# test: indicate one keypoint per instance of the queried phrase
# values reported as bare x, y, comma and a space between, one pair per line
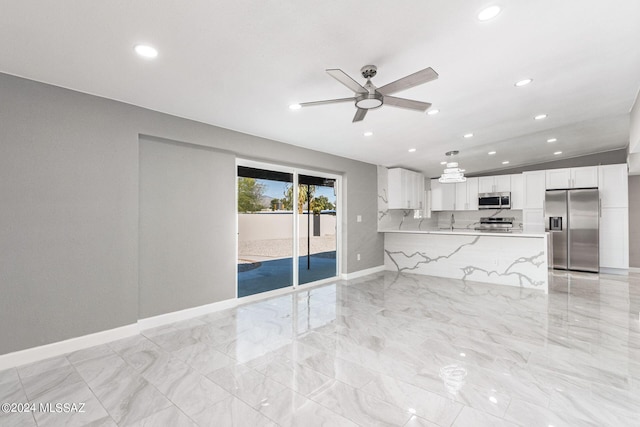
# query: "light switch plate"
359, 218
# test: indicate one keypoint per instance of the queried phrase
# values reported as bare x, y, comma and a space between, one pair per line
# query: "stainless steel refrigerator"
572, 218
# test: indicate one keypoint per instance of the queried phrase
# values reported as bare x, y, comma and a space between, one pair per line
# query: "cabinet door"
418, 190
558, 178
613, 185
502, 183
486, 184
407, 189
614, 238
533, 184
472, 194
437, 196
460, 196
395, 187
517, 192
533, 221
443, 196
586, 177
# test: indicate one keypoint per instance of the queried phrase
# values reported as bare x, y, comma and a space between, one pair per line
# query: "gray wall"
69, 178
185, 232
605, 158
634, 221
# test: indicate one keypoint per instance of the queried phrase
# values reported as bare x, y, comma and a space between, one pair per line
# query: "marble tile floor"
383, 350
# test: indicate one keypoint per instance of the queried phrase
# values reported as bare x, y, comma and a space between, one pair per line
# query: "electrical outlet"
359, 218
358, 256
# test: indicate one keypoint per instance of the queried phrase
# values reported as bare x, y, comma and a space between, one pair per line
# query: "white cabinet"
614, 181
466, 195
406, 189
533, 184
614, 238
443, 196
517, 191
494, 184
533, 201
614, 216
585, 177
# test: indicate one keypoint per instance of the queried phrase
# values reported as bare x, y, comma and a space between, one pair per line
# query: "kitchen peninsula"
513, 259
419, 240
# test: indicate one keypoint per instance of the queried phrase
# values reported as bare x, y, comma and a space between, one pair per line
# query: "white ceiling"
239, 64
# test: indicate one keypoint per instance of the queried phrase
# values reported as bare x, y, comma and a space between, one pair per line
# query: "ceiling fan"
368, 97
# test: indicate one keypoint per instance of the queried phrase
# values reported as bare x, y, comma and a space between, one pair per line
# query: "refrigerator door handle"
600, 208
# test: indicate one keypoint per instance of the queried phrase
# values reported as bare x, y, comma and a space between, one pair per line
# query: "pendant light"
452, 173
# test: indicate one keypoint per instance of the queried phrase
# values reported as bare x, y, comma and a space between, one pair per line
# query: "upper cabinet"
517, 191
494, 184
613, 186
533, 184
466, 195
406, 189
585, 177
443, 196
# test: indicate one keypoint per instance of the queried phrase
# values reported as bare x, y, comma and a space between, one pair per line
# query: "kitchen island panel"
510, 260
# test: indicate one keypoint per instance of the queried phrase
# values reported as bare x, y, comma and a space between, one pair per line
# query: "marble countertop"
463, 231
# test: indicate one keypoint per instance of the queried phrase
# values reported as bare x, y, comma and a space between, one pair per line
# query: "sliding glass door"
287, 227
317, 228
265, 231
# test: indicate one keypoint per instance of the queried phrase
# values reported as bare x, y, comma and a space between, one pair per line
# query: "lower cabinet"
614, 238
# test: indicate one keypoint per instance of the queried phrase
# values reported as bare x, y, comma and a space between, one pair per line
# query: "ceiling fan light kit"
369, 97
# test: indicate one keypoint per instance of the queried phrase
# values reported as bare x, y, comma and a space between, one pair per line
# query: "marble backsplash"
404, 219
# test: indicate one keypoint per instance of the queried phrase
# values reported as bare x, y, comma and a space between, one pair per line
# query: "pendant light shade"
452, 173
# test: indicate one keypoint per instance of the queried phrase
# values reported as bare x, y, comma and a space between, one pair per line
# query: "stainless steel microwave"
494, 200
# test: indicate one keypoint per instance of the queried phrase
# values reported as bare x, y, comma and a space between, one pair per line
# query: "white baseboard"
362, 273
186, 314
634, 270
59, 348
615, 271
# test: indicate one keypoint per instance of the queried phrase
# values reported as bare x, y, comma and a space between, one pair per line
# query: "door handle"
600, 208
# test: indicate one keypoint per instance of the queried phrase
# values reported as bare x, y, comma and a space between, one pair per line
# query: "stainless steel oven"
494, 200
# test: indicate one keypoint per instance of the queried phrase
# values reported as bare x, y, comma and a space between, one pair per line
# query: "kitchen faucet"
453, 221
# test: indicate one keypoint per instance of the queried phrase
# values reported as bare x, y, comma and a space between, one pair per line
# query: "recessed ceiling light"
540, 116
145, 51
491, 153
506, 162
295, 106
433, 112
557, 152
443, 163
492, 399
368, 133
552, 140
412, 150
468, 135
523, 82
489, 13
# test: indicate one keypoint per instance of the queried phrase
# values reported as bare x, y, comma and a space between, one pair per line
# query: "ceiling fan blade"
343, 78
406, 103
415, 79
359, 115
328, 101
